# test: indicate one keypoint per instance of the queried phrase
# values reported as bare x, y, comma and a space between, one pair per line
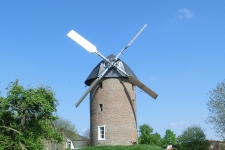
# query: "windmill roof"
112, 73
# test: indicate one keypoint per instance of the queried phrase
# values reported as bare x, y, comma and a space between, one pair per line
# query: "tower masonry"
112, 107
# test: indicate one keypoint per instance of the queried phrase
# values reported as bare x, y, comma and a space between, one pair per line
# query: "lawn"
135, 147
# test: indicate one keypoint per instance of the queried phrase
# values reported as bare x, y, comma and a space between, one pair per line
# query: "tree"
156, 139
68, 128
147, 136
87, 133
193, 138
169, 138
216, 107
87, 136
26, 117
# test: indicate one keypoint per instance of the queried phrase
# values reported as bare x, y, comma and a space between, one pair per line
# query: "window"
100, 85
132, 86
101, 107
101, 132
68, 145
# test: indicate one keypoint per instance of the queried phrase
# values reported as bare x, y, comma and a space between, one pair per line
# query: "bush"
193, 138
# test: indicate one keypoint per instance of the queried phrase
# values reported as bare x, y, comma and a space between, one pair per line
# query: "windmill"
112, 97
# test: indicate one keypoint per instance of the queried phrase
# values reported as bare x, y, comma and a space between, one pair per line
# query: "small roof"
112, 73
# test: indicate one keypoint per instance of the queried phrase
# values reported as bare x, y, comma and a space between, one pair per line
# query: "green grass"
135, 147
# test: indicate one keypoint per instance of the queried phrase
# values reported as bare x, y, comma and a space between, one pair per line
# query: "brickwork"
118, 114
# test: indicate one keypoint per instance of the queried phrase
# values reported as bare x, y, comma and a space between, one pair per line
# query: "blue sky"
180, 54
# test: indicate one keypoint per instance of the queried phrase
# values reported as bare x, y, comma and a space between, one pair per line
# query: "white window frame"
99, 132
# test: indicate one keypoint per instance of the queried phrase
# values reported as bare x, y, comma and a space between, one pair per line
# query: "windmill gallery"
112, 97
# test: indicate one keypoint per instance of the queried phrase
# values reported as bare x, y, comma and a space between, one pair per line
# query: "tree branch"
10, 129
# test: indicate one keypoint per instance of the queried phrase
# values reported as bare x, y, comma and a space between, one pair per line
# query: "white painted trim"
99, 138
69, 141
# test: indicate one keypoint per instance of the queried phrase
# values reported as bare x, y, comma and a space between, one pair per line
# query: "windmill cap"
112, 73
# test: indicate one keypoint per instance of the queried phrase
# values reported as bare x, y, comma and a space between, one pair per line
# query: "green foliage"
169, 138
145, 134
216, 108
147, 137
193, 138
68, 127
134, 147
26, 117
156, 139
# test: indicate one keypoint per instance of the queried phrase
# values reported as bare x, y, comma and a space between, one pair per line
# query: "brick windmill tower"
112, 97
